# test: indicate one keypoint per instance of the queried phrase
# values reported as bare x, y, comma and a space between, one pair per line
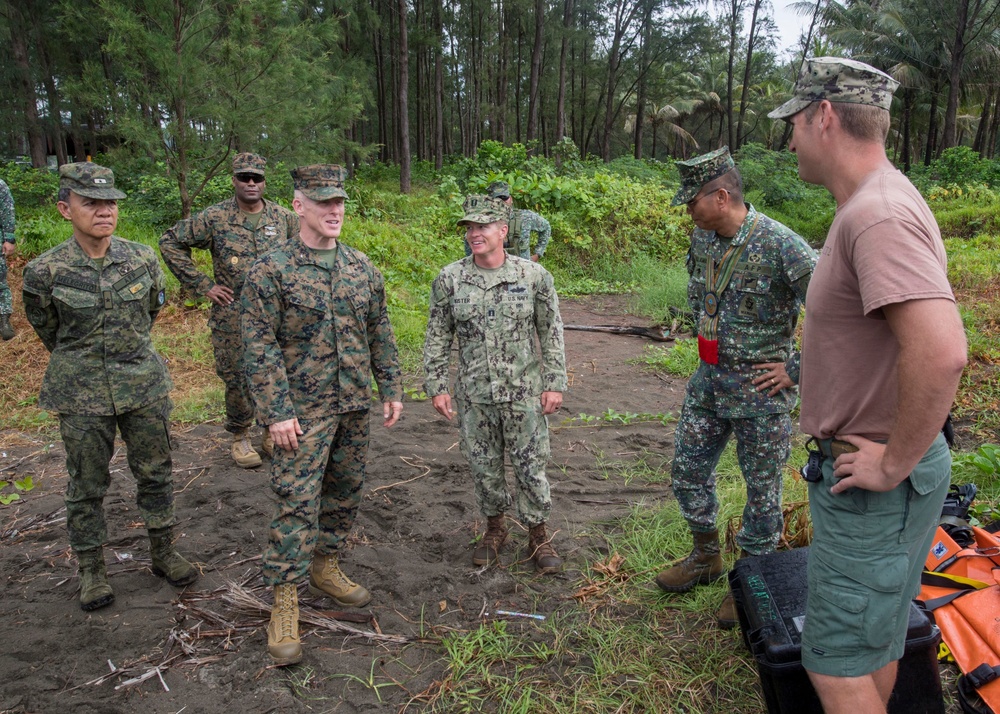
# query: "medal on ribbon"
717, 277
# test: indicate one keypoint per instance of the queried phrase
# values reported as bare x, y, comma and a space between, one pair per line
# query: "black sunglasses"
248, 178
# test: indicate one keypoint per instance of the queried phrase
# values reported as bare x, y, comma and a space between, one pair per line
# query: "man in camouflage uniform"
92, 300
237, 232
749, 276
315, 329
6, 249
496, 304
522, 224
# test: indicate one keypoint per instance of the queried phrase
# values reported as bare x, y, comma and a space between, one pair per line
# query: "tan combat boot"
700, 567
267, 443
545, 556
326, 578
167, 562
283, 642
488, 549
243, 452
95, 591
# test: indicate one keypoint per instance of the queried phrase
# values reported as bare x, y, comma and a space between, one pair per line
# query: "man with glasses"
237, 232
748, 282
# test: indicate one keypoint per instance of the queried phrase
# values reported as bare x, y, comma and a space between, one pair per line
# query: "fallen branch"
658, 334
246, 601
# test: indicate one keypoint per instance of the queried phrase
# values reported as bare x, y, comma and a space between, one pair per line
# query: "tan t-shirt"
883, 248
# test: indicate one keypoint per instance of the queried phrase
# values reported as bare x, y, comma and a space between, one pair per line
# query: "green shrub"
30, 188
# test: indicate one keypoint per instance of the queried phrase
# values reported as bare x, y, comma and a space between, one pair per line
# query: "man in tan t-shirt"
882, 353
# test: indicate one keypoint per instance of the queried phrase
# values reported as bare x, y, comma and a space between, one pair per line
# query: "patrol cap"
498, 189
89, 179
484, 209
698, 171
320, 182
247, 163
837, 79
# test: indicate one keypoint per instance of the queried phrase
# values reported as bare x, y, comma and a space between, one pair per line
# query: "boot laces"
285, 606
334, 573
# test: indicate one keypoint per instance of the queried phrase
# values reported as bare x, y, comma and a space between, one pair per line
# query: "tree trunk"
747, 69
955, 73
381, 97
404, 107
979, 144
932, 127
733, 19
561, 100
907, 128
536, 71
26, 84
438, 88
640, 104
991, 139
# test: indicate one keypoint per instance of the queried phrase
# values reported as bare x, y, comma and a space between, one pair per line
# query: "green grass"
680, 359
629, 648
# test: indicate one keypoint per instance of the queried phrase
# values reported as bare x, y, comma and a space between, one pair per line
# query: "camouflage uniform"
235, 244
522, 223
313, 338
757, 317
520, 226
6, 236
496, 315
103, 372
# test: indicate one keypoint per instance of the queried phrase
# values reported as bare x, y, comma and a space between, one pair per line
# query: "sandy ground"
204, 649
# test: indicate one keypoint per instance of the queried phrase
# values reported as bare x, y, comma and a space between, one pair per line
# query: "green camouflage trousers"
90, 442
228, 347
762, 448
318, 489
6, 300
486, 431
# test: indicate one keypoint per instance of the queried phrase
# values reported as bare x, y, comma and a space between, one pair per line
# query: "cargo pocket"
861, 595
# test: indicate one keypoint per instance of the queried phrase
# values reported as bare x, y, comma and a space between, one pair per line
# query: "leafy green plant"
22, 485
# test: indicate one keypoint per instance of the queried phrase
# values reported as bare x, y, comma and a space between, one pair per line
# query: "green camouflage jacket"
312, 338
522, 223
496, 316
758, 313
96, 324
6, 214
235, 245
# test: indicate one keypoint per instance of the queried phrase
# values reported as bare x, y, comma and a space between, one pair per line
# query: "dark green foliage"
774, 174
30, 187
960, 166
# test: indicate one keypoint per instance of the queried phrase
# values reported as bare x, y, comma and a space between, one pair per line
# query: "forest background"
582, 105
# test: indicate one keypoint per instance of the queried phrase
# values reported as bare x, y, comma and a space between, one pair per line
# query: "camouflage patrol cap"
320, 182
838, 80
247, 163
498, 189
89, 179
698, 171
484, 209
